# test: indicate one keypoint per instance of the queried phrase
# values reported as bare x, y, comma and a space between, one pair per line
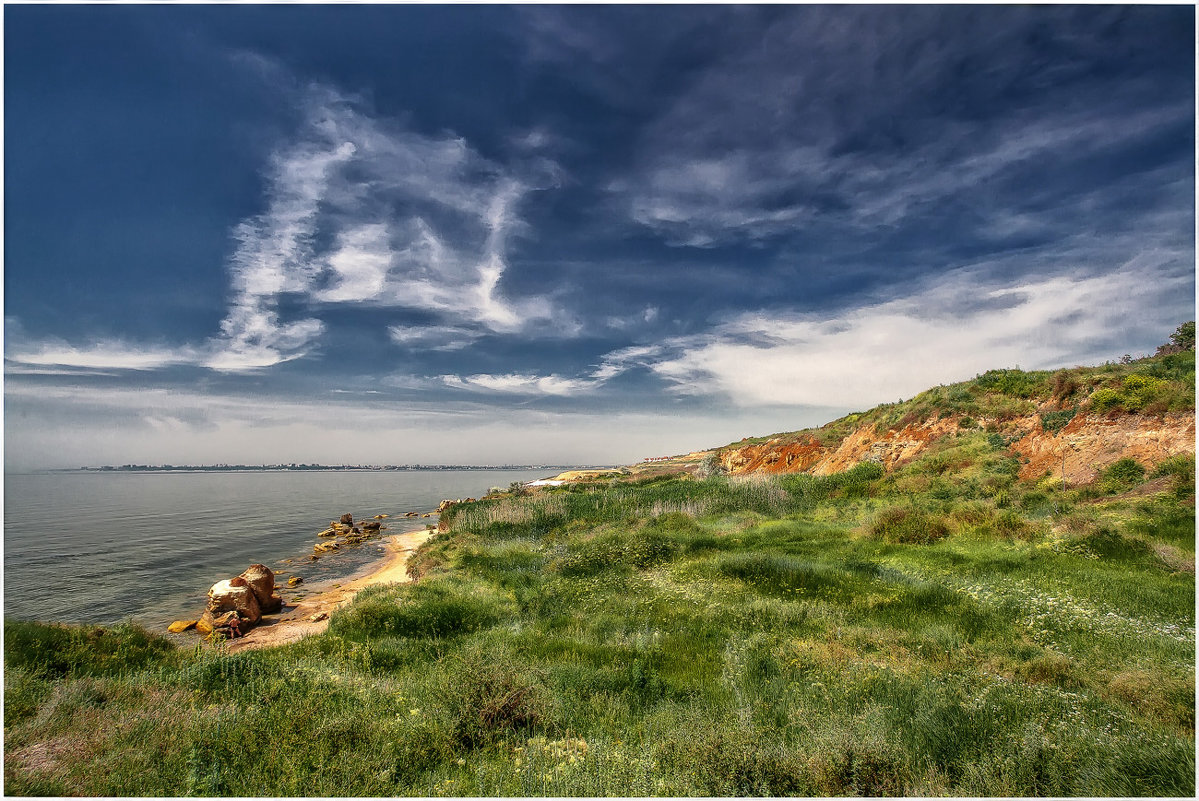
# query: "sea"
112, 546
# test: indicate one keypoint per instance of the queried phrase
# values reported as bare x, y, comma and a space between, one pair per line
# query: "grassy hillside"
945, 628
1077, 421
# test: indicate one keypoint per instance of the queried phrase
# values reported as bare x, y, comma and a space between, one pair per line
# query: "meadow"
943, 629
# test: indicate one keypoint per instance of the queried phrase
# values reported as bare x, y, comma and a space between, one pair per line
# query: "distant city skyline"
476, 234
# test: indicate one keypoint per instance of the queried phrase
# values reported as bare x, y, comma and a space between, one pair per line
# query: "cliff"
1086, 445
1077, 421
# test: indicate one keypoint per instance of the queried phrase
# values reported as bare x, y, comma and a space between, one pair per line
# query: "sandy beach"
295, 621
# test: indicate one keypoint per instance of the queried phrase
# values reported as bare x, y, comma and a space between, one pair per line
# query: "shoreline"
295, 621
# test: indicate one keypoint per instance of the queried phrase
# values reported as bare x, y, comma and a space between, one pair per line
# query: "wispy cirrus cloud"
362, 211
359, 211
879, 117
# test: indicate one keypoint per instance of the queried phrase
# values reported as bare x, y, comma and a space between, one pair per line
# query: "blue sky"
489, 234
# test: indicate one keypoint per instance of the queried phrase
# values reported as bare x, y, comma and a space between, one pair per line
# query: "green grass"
942, 630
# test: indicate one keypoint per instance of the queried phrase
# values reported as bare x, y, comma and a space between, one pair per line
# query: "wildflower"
461, 761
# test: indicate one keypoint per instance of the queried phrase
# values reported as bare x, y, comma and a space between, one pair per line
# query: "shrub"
1065, 384
1009, 523
1121, 475
731, 759
779, 573
1105, 399
710, 467
1182, 339
909, 526
1106, 541
1056, 421
1141, 390
636, 550
1182, 468
487, 694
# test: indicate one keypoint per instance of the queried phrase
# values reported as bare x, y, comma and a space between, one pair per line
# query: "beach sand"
295, 621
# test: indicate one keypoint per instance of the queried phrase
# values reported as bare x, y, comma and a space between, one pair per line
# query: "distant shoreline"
295, 468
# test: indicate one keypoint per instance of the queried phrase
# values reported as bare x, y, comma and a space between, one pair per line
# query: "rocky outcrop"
250, 596
1090, 443
262, 582
225, 598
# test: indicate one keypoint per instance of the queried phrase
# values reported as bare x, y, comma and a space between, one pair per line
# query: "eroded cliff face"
1089, 443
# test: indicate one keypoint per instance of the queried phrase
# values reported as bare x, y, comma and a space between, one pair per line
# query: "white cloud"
948, 332
433, 337
46, 357
518, 384
359, 210
359, 262
625, 359
414, 221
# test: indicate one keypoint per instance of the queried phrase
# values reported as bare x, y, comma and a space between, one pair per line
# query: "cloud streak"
949, 331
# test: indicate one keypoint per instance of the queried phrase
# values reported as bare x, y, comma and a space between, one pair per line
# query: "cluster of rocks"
253, 593
447, 504
250, 596
349, 532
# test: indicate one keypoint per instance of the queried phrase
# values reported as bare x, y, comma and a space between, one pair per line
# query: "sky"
395, 234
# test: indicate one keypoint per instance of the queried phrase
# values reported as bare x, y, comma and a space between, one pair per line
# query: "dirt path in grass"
296, 622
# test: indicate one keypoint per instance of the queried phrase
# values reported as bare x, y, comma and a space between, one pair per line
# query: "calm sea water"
90, 547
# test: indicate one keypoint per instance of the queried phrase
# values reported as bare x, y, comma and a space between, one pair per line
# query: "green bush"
778, 573
1105, 399
1065, 384
909, 526
1056, 421
1141, 390
1121, 475
487, 694
1106, 541
1182, 468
